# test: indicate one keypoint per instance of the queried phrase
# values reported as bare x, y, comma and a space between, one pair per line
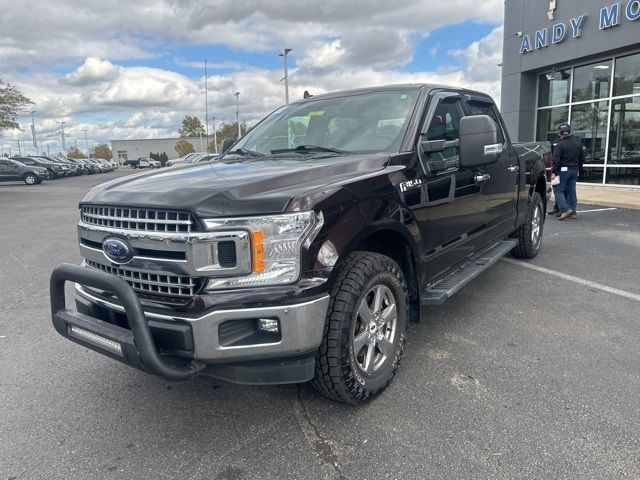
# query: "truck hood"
233, 188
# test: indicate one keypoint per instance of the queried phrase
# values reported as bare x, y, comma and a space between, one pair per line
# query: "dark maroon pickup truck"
304, 250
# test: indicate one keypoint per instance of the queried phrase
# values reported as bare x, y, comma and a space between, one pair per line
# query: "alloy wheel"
374, 333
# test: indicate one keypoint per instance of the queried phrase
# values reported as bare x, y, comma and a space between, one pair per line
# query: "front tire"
365, 329
30, 179
529, 234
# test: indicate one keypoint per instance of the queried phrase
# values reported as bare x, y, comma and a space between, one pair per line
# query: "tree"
74, 152
227, 130
164, 158
184, 147
103, 151
191, 127
12, 102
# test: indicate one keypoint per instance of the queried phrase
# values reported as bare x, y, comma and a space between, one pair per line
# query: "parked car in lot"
67, 169
188, 158
284, 264
100, 164
55, 170
144, 162
13, 170
206, 158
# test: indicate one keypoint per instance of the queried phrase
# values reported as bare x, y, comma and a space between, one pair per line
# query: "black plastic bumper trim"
138, 348
276, 371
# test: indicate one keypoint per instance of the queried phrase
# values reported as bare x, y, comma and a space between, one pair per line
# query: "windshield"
373, 122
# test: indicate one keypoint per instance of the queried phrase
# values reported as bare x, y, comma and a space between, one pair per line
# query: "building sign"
610, 16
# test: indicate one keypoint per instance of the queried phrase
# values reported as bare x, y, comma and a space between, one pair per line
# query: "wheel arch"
391, 230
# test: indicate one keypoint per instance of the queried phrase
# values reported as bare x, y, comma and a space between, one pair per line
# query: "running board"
438, 292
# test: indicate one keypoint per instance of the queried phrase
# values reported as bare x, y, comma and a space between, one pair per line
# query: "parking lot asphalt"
526, 373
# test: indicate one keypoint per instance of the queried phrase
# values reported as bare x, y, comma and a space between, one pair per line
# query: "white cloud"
337, 45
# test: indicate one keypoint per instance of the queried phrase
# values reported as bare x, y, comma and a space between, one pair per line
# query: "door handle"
514, 169
482, 178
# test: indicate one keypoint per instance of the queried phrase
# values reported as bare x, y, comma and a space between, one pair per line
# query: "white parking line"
578, 280
598, 210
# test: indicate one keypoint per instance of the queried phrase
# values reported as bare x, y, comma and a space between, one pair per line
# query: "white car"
144, 162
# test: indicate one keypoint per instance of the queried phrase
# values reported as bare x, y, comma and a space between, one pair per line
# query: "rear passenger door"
8, 170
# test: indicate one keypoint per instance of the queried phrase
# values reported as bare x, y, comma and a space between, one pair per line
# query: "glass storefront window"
589, 122
591, 175
549, 121
627, 76
624, 143
624, 176
554, 91
592, 82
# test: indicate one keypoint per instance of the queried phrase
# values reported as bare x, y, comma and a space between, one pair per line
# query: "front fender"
346, 230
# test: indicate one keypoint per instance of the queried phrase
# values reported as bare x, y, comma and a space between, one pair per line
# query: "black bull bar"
133, 347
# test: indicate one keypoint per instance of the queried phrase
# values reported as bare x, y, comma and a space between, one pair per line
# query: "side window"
4, 163
478, 108
445, 125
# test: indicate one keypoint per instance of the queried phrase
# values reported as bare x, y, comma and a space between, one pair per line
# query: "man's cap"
565, 129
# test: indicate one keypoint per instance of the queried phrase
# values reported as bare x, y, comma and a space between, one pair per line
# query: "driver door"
454, 214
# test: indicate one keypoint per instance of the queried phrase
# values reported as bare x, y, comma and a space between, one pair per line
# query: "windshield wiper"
245, 152
309, 149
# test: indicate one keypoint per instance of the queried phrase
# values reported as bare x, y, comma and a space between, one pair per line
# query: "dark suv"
55, 170
12, 170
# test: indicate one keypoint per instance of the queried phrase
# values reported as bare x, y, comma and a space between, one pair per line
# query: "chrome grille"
145, 219
152, 283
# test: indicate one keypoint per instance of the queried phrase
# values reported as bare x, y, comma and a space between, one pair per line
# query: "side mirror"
478, 141
226, 145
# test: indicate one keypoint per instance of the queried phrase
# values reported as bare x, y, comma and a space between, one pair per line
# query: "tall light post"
284, 54
33, 132
64, 146
215, 135
86, 140
237, 94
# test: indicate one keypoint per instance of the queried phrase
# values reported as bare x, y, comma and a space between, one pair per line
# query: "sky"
122, 69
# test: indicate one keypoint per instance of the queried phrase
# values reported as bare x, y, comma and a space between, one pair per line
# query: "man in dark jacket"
568, 157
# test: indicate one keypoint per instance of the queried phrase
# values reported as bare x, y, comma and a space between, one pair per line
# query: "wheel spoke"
364, 311
368, 361
378, 296
389, 314
385, 346
359, 342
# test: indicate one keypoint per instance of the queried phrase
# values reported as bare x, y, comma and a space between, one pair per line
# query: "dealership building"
124, 150
576, 61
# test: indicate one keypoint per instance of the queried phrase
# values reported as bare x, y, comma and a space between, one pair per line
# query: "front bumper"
220, 343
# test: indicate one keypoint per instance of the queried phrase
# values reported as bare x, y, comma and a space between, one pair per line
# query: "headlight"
275, 247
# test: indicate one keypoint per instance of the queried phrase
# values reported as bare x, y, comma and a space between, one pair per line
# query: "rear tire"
30, 179
365, 329
529, 234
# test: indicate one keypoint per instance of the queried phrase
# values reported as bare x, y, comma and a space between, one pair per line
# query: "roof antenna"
307, 94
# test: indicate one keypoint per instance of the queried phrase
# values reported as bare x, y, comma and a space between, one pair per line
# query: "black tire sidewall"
536, 202
378, 380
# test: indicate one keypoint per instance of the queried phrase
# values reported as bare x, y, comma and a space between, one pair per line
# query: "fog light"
268, 325
97, 340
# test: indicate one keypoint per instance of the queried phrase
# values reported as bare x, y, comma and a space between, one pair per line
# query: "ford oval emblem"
117, 250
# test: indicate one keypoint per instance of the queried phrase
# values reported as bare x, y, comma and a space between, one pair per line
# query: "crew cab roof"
409, 87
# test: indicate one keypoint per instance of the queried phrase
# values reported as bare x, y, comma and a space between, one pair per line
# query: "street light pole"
284, 54
86, 140
237, 94
19, 148
64, 146
33, 132
215, 135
